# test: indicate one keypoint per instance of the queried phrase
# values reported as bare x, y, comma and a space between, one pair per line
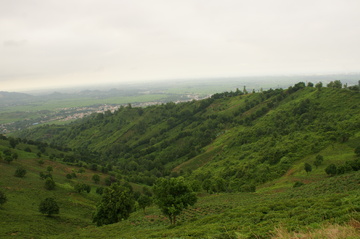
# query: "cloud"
67, 40
14, 43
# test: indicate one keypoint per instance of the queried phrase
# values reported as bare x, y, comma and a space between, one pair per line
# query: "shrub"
49, 206
3, 198
20, 172
49, 184
331, 170
298, 184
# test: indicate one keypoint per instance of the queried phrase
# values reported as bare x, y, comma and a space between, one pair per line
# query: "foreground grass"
19, 217
295, 213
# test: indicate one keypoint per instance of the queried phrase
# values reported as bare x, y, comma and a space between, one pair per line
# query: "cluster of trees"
333, 169
171, 195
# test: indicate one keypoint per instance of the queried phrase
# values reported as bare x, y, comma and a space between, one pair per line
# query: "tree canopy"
173, 196
49, 206
116, 204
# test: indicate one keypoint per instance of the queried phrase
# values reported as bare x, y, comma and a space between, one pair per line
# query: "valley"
266, 163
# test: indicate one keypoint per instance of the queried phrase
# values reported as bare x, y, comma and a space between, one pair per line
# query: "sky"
52, 43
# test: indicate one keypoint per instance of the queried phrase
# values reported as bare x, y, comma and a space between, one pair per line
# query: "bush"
331, 170
8, 159
45, 176
80, 187
20, 172
49, 184
3, 198
49, 206
298, 184
100, 190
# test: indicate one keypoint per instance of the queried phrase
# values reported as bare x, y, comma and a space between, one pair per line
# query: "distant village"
63, 115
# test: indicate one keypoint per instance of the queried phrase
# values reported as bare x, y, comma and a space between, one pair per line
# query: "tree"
318, 160
3, 198
307, 167
331, 170
357, 151
20, 172
116, 204
8, 159
49, 169
319, 85
49, 207
96, 178
49, 184
207, 185
79, 187
144, 201
13, 142
172, 196
15, 156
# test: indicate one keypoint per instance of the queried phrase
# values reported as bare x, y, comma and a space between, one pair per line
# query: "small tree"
13, 142
8, 159
318, 86
172, 196
331, 170
3, 198
144, 201
15, 156
49, 169
318, 160
96, 178
207, 185
49, 207
307, 167
116, 204
20, 172
49, 184
80, 187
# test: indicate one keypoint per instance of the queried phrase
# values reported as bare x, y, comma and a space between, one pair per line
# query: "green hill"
244, 139
244, 153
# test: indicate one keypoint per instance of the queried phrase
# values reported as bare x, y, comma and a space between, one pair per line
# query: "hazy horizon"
61, 44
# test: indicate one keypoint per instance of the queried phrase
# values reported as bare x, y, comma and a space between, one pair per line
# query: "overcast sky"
53, 43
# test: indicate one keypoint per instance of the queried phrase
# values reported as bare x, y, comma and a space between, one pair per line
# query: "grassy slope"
20, 217
276, 203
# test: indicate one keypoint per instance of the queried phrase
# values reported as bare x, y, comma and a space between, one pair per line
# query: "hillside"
324, 206
241, 138
264, 165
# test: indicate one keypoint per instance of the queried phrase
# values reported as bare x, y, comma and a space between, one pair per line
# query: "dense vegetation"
237, 140
278, 158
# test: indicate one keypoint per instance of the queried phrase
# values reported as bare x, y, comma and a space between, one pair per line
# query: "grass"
20, 217
323, 205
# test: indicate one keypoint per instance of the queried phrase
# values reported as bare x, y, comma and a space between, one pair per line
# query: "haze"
48, 43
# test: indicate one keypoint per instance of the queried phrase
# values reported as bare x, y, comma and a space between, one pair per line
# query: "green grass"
20, 217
